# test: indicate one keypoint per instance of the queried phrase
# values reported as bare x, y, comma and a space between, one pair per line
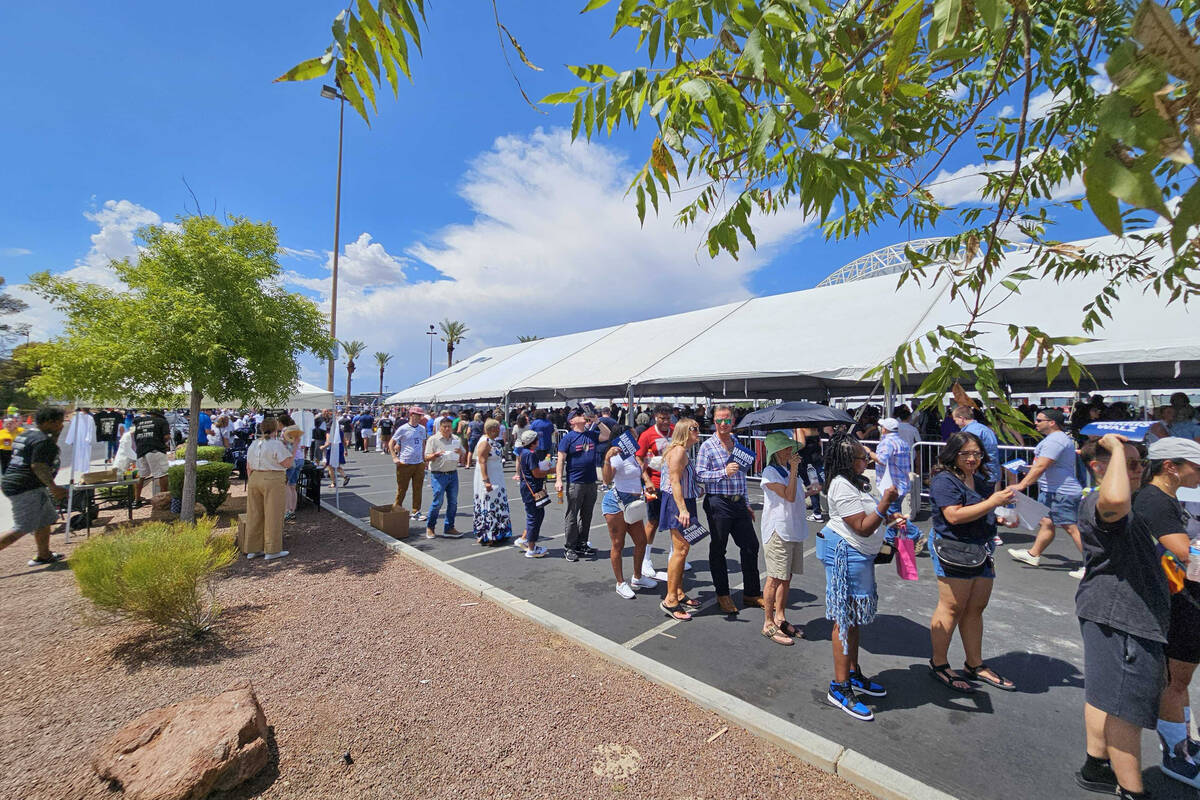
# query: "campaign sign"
626, 444
694, 532
1135, 431
1015, 466
743, 456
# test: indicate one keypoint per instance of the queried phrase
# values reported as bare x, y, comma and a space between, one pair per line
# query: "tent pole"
630, 417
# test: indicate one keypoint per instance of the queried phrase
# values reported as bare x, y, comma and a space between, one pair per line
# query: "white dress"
492, 523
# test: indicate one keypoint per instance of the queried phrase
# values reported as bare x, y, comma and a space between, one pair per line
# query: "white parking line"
662, 627
487, 551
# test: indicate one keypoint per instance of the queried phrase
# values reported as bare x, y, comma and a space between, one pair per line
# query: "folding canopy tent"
818, 342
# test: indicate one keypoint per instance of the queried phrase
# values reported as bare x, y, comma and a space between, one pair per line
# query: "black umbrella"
794, 414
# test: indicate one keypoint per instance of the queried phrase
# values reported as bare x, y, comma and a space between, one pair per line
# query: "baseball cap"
889, 424
527, 438
1175, 448
415, 410
575, 412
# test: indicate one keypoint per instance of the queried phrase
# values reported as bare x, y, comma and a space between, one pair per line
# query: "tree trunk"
449, 355
187, 512
381, 383
349, 373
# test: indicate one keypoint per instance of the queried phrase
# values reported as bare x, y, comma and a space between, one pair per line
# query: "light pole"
431, 333
332, 93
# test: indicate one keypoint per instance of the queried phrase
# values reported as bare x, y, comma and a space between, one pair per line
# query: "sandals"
676, 612
777, 636
690, 603
41, 562
941, 674
1000, 682
788, 629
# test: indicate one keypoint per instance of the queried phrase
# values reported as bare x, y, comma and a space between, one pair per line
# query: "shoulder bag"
540, 499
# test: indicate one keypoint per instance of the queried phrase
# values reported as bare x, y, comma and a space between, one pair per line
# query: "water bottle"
813, 478
1193, 569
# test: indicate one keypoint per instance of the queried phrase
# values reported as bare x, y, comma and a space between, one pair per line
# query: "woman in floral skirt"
492, 523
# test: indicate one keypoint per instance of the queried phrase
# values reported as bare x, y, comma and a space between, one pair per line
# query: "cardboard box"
391, 520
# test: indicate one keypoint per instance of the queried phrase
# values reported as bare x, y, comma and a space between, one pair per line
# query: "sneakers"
536, 552
643, 583
289, 516
429, 534
1077, 574
862, 683
647, 566
687, 566
273, 556
452, 533
570, 555
625, 590
1176, 764
418, 516
842, 695
54, 558
661, 575
254, 555
1102, 780
588, 550
996, 540
1025, 557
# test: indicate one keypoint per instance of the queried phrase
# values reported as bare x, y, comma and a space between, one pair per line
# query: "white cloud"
13, 252
964, 186
555, 247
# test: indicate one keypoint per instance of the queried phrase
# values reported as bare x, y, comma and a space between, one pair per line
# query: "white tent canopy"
820, 341
303, 396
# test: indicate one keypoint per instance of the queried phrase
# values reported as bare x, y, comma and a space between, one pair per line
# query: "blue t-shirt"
526, 463
202, 426
947, 489
579, 450
991, 446
545, 432
1059, 477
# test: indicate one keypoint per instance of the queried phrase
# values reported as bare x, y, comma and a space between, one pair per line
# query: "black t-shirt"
318, 431
106, 425
347, 425
30, 447
150, 434
385, 427
1123, 584
1164, 515
947, 489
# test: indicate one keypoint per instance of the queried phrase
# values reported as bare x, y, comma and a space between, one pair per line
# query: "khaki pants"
265, 499
406, 473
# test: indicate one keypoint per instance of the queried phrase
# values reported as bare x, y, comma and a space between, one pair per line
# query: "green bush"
204, 452
212, 483
161, 573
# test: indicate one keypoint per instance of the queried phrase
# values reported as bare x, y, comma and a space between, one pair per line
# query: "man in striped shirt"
728, 510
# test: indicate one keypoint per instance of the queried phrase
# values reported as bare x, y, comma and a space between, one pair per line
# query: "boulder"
186, 750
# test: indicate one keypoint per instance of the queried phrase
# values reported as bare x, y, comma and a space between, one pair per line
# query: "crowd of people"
651, 472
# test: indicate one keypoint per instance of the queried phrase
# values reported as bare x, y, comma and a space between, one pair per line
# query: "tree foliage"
847, 111
453, 332
382, 360
202, 305
353, 349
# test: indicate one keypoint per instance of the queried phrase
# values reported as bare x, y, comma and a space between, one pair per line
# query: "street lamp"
431, 333
332, 93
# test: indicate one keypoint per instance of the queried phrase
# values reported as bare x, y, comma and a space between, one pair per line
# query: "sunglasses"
722, 422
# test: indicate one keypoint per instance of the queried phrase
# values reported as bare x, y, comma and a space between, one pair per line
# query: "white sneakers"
1025, 557
644, 582
1077, 574
647, 566
625, 590
535, 552
273, 556
253, 555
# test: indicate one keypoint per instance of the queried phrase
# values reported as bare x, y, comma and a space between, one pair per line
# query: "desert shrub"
212, 484
204, 452
162, 573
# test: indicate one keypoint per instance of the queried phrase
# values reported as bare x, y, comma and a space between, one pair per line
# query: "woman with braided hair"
847, 546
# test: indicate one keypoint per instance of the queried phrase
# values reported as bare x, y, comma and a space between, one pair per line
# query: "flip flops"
777, 636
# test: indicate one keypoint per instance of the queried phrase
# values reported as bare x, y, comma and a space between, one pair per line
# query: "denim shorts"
634, 506
988, 570
1064, 508
293, 473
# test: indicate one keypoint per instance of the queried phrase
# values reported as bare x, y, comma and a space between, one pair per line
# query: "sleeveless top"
690, 484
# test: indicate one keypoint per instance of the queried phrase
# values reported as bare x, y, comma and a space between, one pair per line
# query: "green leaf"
696, 89
1074, 369
593, 5
364, 46
1186, 217
945, 22
1070, 340
306, 70
1096, 180
753, 53
763, 133
903, 41
775, 15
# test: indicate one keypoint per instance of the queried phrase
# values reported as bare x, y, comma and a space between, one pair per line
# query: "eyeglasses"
722, 422
861, 458
970, 454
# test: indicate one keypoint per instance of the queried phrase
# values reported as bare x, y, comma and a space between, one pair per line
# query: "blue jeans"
445, 486
533, 522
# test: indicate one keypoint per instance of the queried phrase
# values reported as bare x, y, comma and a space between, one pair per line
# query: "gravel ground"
434, 694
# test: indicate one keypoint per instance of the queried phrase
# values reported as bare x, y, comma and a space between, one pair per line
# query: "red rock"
186, 750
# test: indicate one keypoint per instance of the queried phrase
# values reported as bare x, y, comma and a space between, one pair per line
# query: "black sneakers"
571, 555
588, 551
1097, 776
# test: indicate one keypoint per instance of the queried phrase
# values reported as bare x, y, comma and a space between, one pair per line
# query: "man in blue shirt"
1054, 472
577, 463
965, 419
544, 428
203, 426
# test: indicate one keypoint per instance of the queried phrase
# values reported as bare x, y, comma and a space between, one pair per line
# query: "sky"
459, 201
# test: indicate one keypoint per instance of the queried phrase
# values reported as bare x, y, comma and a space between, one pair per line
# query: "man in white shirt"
442, 453
408, 453
910, 503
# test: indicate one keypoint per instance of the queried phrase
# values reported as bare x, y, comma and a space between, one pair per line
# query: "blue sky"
460, 201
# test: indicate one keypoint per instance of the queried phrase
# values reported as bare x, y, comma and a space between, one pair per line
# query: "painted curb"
850, 765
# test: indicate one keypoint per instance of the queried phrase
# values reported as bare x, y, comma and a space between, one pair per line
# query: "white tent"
821, 341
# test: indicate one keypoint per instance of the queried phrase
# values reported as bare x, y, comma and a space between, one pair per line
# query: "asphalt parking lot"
993, 744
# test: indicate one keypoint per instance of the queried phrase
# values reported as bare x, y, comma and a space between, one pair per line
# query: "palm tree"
453, 332
354, 348
382, 360
528, 338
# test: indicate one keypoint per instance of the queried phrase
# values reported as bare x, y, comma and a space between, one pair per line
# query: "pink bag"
906, 558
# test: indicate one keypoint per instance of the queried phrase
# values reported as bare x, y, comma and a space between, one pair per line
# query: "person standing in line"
292, 437
385, 428
624, 510
204, 425
442, 452
1053, 471
267, 462
531, 477
8, 436
784, 530
964, 502
107, 422
1124, 608
408, 453
475, 433
320, 433
847, 546
679, 488
152, 442
577, 465
727, 506
652, 443
492, 523
366, 428
1175, 464
29, 484
893, 460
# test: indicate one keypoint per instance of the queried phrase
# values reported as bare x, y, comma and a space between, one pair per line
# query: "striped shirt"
896, 456
711, 469
691, 487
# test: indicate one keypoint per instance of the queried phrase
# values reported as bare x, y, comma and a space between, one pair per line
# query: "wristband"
881, 516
